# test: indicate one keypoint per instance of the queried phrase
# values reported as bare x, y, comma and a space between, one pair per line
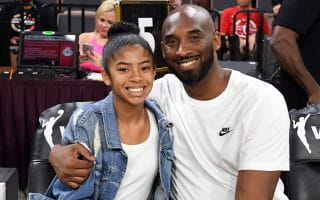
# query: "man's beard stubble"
192, 77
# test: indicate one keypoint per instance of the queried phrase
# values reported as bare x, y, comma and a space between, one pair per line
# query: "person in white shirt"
231, 131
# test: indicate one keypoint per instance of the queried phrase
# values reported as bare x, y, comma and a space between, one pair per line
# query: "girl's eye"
146, 68
123, 69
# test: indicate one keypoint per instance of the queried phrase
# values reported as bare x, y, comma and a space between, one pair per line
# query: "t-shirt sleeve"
266, 144
298, 15
155, 93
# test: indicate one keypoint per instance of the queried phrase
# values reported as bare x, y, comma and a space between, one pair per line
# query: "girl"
91, 43
127, 133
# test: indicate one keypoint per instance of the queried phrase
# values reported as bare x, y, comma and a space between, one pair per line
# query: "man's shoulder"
253, 86
167, 80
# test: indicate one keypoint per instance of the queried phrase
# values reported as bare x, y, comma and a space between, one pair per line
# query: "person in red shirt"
241, 23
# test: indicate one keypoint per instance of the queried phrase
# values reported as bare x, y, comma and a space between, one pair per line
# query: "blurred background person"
34, 20
174, 4
91, 43
241, 23
296, 44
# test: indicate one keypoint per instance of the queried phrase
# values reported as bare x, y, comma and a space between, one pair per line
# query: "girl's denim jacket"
96, 126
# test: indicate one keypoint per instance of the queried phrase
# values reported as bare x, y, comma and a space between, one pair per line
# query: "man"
230, 133
295, 44
227, 21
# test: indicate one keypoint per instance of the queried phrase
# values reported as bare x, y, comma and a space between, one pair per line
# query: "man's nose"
184, 49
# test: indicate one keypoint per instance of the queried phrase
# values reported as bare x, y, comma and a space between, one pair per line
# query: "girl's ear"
106, 78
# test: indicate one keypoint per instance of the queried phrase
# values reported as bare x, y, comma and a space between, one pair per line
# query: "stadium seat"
84, 2
76, 21
52, 124
303, 179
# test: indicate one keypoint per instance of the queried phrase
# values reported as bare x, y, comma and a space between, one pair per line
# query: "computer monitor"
48, 50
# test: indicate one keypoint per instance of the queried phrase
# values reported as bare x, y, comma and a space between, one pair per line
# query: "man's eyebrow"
195, 31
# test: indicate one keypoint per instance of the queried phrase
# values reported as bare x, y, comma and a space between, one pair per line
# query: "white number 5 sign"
146, 22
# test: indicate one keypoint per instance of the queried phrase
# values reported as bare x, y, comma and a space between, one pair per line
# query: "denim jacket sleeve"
78, 130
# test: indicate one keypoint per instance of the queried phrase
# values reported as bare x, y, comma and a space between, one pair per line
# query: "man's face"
188, 45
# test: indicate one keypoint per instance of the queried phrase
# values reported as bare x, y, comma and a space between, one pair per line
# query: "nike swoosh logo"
222, 133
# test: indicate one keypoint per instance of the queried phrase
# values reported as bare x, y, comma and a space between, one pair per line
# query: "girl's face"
104, 21
131, 75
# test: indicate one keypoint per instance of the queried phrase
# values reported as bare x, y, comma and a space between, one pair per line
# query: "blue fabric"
111, 161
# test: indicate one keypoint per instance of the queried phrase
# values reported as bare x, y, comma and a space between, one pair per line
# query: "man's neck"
246, 7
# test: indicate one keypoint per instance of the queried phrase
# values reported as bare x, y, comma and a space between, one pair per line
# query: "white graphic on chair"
301, 132
49, 127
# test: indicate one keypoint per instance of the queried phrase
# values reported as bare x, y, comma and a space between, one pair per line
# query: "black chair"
52, 124
303, 179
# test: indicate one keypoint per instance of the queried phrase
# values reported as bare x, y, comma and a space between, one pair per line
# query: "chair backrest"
51, 129
84, 2
76, 21
304, 174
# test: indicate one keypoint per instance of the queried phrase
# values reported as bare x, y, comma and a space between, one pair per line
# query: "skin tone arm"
71, 170
252, 185
285, 48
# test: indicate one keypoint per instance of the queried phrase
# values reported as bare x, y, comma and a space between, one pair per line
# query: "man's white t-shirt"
244, 128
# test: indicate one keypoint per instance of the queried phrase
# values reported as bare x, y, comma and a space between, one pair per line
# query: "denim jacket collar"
111, 125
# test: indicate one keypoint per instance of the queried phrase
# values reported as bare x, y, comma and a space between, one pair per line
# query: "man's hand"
314, 98
69, 168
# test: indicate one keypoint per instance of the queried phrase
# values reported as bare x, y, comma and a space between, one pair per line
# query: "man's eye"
195, 38
171, 43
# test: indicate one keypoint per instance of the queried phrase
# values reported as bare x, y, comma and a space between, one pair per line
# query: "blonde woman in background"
91, 43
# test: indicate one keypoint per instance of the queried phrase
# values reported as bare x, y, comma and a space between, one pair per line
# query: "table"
22, 101
8, 184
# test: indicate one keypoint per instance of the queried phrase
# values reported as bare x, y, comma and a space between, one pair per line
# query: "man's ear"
106, 78
216, 41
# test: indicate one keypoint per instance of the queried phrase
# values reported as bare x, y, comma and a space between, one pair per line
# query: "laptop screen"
43, 50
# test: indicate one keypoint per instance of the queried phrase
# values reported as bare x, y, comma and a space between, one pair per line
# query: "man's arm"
69, 168
285, 48
252, 185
